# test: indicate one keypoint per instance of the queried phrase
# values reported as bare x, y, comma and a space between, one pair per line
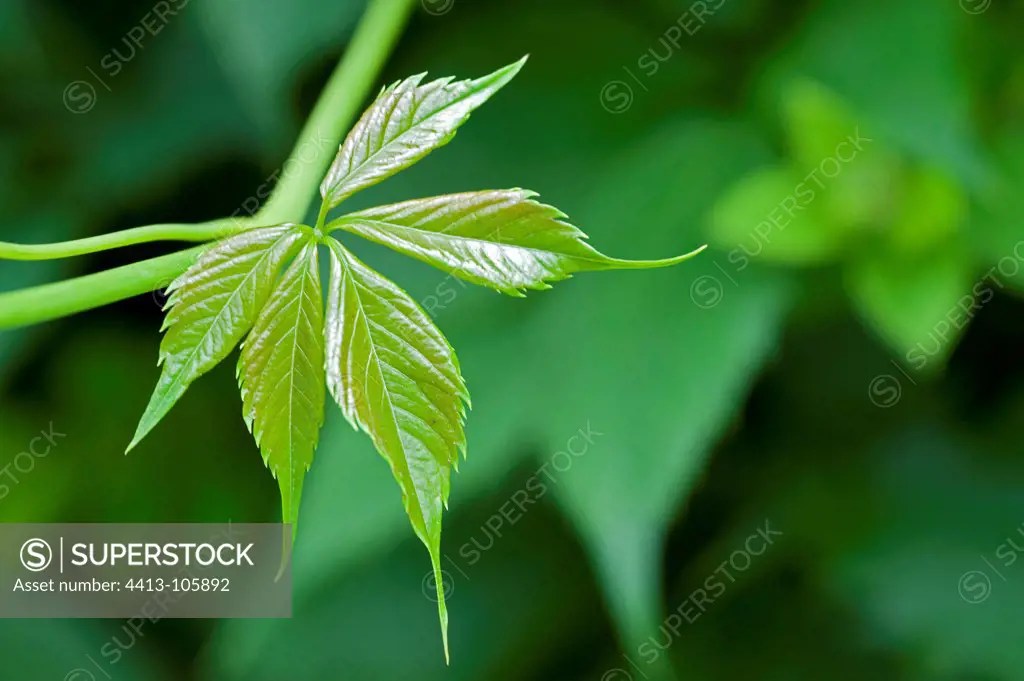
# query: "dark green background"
776, 400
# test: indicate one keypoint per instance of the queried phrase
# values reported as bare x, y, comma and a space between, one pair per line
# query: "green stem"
205, 231
52, 301
374, 39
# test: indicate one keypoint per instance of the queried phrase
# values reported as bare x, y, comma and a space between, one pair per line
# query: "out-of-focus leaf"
867, 191
281, 376
395, 376
842, 162
906, 80
771, 215
212, 305
932, 209
918, 306
816, 120
649, 385
501, 239
404, 124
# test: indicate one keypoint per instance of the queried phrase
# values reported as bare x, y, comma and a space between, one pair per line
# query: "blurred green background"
795, 457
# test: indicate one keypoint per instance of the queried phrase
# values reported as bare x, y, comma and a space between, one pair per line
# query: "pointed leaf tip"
501, 239
407, 121
442, 608
286, 548
654, 264
396, 377
517, 66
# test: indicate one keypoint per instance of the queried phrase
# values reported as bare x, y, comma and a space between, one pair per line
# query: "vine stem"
371, 45
205, 231
62, 298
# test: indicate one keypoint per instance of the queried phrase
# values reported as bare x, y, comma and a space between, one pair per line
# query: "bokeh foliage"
714, 397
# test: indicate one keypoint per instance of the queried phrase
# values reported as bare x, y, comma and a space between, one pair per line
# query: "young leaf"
395, 376
212, 305
749, 216
405, 123
501, 239
914, 304
281, 377
817, 120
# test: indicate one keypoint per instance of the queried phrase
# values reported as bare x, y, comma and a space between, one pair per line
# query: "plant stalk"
375, 37
205, 231
62, 298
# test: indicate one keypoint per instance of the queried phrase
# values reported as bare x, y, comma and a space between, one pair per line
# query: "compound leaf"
281, 377
501, 239
395, 376
405, 123
211, 306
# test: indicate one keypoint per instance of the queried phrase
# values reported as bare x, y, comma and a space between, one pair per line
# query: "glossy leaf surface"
404, 124
396, 377
281, 377
212, 305
501, 239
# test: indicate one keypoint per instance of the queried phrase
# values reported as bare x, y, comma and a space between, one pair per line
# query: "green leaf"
577, 146
621, 467
918, 306
357, 486
501, 239
867, 191
212, 305
932, 209
404, 124
817, 120
770, 215
838, 155
902, 81
396, 377
281, 376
